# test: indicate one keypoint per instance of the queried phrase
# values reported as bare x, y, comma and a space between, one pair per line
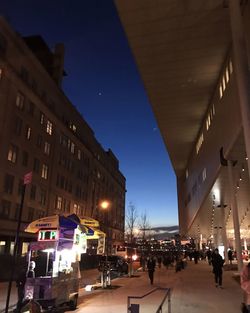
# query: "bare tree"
144, 225
131, 221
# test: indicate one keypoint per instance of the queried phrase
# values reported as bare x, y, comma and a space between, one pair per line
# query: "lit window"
199, 143
221, 91
44, 171
1, 73
213, 109
227, 74
58, 203
79, 154
186, 173
41, 118
49, 127
73, 127
20, 101
47, 148
230, 67
12, 154
204, 174
28, 132
223, 83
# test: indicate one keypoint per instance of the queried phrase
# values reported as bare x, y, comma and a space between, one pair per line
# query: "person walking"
230, 256
151, 269
217, 263
245, 285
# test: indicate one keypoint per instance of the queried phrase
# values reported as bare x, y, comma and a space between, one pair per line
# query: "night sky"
104, 85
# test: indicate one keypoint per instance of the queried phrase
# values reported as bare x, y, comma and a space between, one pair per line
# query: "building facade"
194, 60
43, 133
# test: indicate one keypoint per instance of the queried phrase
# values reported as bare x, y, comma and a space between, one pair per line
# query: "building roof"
179, 48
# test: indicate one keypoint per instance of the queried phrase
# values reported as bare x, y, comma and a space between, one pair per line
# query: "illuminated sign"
47, 235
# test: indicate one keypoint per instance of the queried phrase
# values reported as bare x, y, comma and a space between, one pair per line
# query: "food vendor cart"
53, 260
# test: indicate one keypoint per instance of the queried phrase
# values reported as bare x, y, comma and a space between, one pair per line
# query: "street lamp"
105, 268
105, 205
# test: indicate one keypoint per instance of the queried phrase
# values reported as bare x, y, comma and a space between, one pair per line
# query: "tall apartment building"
194, 60
42, 132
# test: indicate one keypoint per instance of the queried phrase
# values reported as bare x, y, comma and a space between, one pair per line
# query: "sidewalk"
193, 291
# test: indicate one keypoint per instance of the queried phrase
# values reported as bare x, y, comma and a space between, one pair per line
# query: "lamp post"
105, 276
104, 205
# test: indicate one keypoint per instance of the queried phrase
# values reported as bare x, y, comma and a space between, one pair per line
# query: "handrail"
159, 310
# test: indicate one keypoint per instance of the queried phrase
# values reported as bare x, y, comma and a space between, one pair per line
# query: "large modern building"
194, 59
42, 132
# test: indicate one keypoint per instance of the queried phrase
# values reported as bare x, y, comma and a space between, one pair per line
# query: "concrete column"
200, 241
223, 231
235, 217
240, 64
245, 243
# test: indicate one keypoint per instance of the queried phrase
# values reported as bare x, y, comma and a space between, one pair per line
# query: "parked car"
117, 264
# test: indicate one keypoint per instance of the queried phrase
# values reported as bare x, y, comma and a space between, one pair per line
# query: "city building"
41, 132
194, 60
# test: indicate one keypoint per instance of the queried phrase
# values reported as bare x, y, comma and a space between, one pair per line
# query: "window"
20, 187
24, 74
72, 126
72, 148
199, 143
49, 127
79, 154
17, 210
5, 209
44, 171
33, 192
47, 148
36, 165
20, 101
28, 132
41, 118
39, 141
58, 203
43, 197
8, 183
1, 73
31, 214
18, 126
25, 158
31, 108
204, 174
12, 154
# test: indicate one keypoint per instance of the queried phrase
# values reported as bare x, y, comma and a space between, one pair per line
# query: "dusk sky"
104, 85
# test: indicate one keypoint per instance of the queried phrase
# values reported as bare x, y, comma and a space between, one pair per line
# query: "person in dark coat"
151, 269
230, 256
217, 263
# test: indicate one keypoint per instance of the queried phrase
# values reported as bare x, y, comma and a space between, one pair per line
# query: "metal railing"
134, 308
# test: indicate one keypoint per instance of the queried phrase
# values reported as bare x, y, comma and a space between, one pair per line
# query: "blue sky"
104, 85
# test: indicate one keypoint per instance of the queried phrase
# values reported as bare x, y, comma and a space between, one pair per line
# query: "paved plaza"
193, 291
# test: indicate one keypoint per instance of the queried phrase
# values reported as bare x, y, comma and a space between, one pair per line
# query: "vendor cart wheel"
73, 302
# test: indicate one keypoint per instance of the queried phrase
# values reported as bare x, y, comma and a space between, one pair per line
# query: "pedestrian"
151, 269
159, 260
230, 255
196, 256
31, 272
245, 285
209, 256
217, 263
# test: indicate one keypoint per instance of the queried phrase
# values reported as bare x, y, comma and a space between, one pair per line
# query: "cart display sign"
48, 235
